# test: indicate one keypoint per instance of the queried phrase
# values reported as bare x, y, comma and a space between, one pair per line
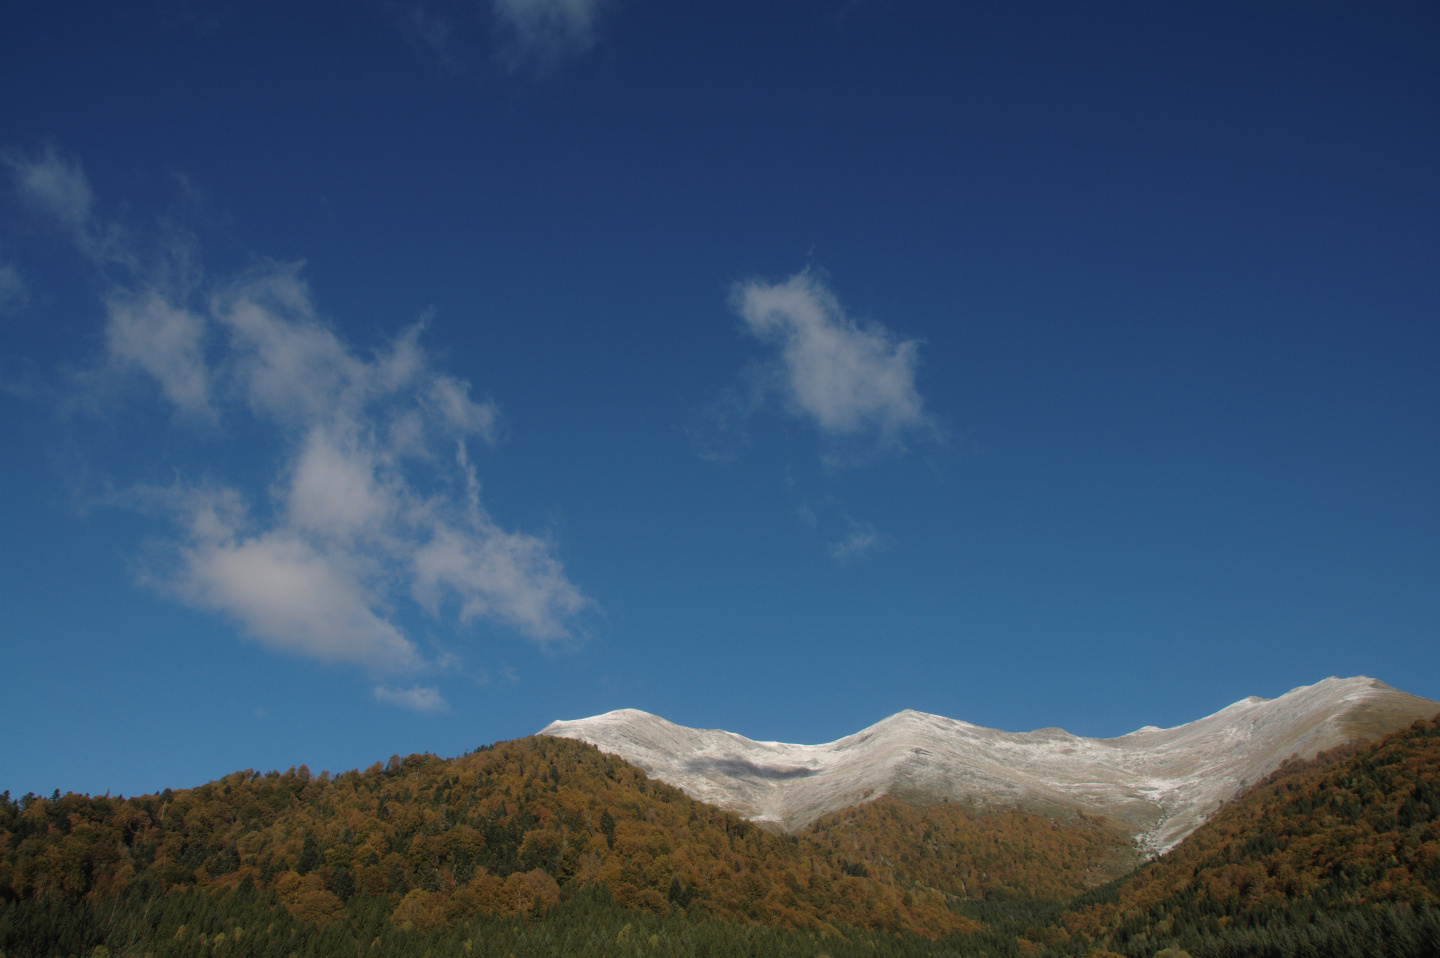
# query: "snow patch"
1160, 784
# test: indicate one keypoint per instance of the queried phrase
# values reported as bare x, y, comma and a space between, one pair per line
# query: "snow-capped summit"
1158, 783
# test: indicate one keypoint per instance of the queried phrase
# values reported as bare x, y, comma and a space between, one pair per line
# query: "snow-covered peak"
1158, 783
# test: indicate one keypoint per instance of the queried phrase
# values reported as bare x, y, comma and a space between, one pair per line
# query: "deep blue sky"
400, 376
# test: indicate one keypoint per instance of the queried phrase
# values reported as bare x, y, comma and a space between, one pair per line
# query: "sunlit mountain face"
1156, 784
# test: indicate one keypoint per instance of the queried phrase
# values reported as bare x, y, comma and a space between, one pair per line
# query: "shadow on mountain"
744, 768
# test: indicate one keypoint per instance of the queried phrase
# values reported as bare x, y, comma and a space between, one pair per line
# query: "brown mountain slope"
1342, 850
504, 829
1357, 827
500, 831
967, 855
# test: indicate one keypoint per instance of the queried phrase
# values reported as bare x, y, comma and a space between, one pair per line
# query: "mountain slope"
1156, 784
1319, 846
1338, 856
503, 830
508, 828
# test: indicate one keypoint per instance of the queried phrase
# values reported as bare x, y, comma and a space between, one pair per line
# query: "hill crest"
1156, 784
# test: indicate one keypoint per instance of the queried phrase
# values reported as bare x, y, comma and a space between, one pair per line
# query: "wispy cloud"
418, 698
445, 29
373, 501
13, 292
546, 29
857, 539
854, 383
148, 334
54, 185
522, 33
862, 540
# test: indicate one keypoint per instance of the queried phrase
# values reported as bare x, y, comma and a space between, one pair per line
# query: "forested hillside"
499, 831
1337, 853
502, 831
547, 846
970, 856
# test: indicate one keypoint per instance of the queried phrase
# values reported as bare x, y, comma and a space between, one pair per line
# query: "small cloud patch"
862, 540
417, 698
853, 382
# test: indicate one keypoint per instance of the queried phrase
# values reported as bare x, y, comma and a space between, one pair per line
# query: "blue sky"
402, 375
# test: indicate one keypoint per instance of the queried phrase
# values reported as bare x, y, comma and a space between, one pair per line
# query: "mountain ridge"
1155, 784
544, 846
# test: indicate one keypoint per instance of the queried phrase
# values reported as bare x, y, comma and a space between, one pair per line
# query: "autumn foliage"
501, 831
968, 855
543, 837
1354, 829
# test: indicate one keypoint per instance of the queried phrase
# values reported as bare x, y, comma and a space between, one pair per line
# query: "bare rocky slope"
1156, 784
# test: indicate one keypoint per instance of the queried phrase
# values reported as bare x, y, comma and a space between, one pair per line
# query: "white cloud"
548, 28
350, 532
452, 398
419, 698
372, 501
295, 598
165, 342
496, 574
337, 489
291, 366
851, 382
